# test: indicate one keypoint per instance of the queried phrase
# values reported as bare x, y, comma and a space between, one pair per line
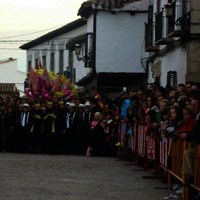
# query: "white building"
110, 39
10, 74
114, 46
50, 49
172, 39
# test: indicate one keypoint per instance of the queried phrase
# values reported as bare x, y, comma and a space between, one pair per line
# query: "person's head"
165, 115
87, 106
49, 105
72, 107
97, 116
188, 86
81, 107
175, 113
109, 115
106, 107
36, 106
195, 104
25, 107
160, 98
195, 86
187, 113
139, 94
61, 105
151, 101
181, 89
163, 104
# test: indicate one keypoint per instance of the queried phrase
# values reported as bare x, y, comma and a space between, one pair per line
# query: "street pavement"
65, 177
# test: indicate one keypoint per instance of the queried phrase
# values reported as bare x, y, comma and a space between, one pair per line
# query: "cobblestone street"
61, 177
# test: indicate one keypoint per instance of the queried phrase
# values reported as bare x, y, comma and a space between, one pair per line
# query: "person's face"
172, 94
195, 106
49, 106
106, 107
163, 105
188, 87
186, 115
181, 90
86, 108
149, 102
71, 109
25, 109
160, 98
173, 114
194, 88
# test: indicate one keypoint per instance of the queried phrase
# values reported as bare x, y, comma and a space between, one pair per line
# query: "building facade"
172, 38
11, 76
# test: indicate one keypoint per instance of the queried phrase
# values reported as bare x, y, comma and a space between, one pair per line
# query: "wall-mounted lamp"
77, 48
169, 10
85, 52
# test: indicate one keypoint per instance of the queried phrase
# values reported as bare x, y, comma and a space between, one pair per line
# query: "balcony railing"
149, 46
179, 21
160, 30
159, 27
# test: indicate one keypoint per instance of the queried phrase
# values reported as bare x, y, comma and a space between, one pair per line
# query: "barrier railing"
170, 152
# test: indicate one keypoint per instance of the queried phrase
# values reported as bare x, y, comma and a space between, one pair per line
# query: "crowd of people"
56, 126
89, 125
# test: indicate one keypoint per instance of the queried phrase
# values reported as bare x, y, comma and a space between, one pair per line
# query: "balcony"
149, 47
160, 30
179, 19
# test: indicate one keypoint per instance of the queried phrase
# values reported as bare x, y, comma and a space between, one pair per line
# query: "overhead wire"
21, 35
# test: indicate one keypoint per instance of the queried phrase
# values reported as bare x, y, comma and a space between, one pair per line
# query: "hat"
183, 98
37, 105
49, 103
81, 105
67, 103
25, 105
87, 104
72, 105
61, 102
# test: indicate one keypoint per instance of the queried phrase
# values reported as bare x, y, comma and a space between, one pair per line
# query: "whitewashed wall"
53, 45
120, 42
173, 61
10, 74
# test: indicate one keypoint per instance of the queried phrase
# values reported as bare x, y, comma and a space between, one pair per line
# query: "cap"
72, 105
61, 102
81, 105
25, 105
49, 103
67, 103
87, 104
37, 105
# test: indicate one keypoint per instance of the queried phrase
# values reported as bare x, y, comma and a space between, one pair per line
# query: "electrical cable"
14, 36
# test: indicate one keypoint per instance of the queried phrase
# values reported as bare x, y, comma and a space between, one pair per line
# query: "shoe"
176, 187
179, 191
175, 196
117, 144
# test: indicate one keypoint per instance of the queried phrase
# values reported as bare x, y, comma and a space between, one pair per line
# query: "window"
29, 64
52, 62
29, 61
44, 61
61, 61
172, 79
36, 63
